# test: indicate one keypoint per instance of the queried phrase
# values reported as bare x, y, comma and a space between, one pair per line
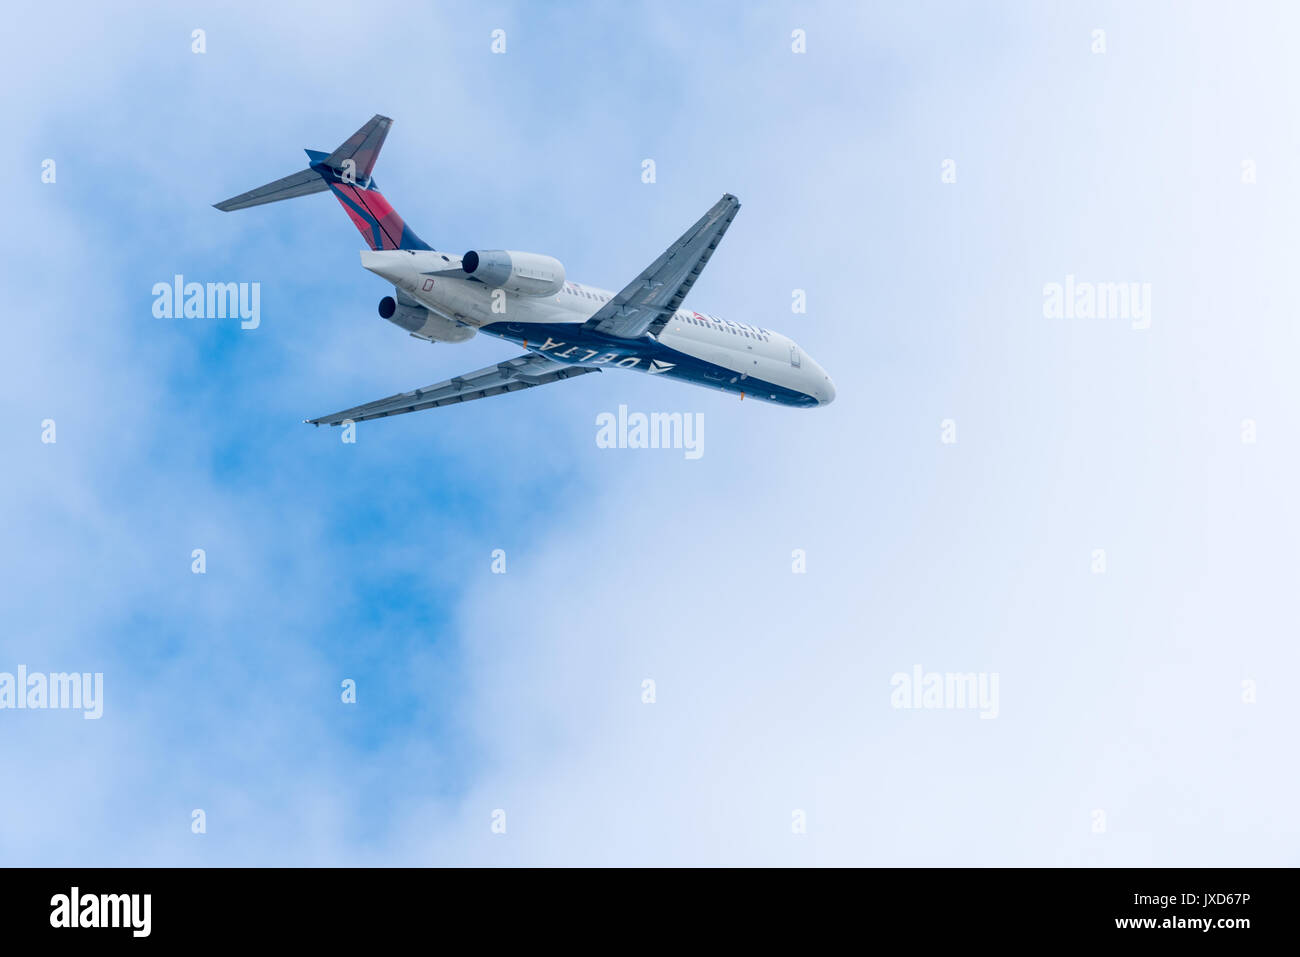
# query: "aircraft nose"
827, 394
819, 384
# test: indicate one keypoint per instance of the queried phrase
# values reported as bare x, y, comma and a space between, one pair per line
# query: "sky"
1095, 513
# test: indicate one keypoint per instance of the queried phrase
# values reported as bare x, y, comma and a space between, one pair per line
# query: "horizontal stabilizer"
362, 148
347, 173
289, 187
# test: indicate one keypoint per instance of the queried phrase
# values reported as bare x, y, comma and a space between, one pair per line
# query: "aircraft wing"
649, 301
521, 372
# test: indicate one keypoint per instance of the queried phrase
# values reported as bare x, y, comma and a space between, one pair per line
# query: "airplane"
566, 328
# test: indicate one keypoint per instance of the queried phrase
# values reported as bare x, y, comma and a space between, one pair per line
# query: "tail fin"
347, 173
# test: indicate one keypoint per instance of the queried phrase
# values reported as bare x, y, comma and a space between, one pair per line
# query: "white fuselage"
742, 354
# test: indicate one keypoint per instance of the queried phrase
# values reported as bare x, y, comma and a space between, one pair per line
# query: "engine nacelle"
527, 274
421, 322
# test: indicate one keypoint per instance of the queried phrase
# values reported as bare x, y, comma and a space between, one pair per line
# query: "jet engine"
419, 321
526, 274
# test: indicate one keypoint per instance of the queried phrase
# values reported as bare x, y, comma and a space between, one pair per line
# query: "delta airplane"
567, 329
